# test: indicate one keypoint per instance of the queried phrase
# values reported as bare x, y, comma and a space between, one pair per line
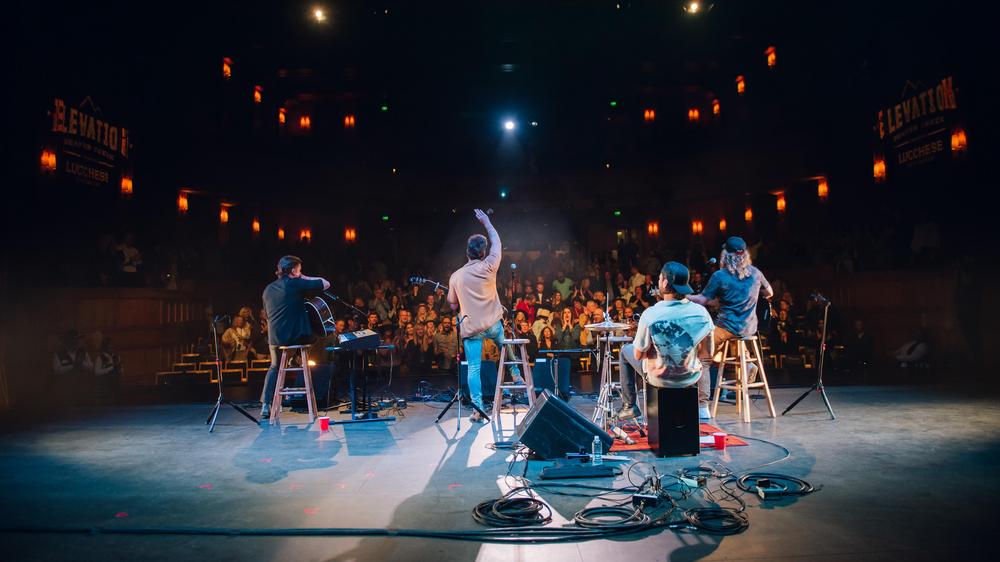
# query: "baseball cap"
677, 276
735, 244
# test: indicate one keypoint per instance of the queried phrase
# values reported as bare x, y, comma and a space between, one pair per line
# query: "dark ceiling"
449, 72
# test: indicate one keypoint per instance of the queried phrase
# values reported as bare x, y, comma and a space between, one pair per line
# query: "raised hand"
482, 217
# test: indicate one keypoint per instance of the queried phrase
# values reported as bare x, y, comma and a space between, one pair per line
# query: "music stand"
818, 385
221, 400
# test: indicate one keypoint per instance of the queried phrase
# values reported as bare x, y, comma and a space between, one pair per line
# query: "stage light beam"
509, 125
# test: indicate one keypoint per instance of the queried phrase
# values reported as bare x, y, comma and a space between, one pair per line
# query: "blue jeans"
271, 380
473, 346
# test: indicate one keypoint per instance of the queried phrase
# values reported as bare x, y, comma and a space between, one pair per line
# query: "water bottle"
596, 451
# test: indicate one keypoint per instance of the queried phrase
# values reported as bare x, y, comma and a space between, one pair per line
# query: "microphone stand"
458, 361
818, 385
458, 375
221, 400
358, 312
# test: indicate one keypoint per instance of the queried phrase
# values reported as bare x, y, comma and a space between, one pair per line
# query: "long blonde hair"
736, 263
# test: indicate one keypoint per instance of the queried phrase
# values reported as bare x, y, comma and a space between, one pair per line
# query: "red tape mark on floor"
205, 486
341, 485
295, 486
265, 459
453, 486
311, 510
121, 515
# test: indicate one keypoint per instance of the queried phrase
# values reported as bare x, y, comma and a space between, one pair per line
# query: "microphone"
513, 265
818, 298
711, 261
331, 296
489, 211
220, 317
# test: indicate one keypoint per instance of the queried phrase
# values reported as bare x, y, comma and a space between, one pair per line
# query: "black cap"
677, 276
735, 244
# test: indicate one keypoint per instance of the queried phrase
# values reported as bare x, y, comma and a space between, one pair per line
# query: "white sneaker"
704, 413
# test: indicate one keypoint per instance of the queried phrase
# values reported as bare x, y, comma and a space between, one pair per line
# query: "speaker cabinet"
552, 375
552, 428
672, 414
488, 376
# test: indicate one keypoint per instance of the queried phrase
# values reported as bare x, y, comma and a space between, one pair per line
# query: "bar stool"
518, 357
739, 360
287, 353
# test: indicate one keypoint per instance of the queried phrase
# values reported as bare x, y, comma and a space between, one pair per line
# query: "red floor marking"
453, 486
311, 510
121, 515
205, 486
341, 485
266, 459
294, 486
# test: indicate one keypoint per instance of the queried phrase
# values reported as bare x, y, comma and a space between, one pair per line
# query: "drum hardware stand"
818, 385
604, 411
221, 400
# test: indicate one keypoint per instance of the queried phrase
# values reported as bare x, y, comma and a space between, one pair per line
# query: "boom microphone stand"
458, 387
220, 400
818, 385
458, 359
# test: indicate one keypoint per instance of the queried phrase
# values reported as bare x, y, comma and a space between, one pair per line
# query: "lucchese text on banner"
928, 102
73, 121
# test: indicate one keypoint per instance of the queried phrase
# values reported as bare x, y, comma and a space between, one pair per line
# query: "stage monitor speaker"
487, 373
552, 428
672, 414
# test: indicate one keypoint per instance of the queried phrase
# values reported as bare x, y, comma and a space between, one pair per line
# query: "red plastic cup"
720, 440
324, 423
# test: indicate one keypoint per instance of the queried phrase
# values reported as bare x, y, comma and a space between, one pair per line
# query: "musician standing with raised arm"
288, 321
472, 291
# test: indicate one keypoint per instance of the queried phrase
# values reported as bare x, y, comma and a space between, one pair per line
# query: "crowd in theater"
552, 299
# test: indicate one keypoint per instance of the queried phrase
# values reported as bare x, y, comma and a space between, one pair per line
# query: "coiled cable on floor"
512, 512
611, 518
717, 520
783, 485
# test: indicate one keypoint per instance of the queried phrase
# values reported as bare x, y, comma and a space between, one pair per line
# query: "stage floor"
906, 473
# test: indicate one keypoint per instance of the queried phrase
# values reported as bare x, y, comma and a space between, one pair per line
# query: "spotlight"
319, 15
534, 123
695, 8
509, 125
503, 194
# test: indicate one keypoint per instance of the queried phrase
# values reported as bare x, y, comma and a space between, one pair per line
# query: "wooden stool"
740, 384
519, 357
287, 353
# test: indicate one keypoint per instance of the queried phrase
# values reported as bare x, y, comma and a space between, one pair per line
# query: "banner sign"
918, 128
89, 148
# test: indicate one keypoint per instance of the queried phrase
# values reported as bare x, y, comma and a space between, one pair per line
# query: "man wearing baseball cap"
667, 340
734, 289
